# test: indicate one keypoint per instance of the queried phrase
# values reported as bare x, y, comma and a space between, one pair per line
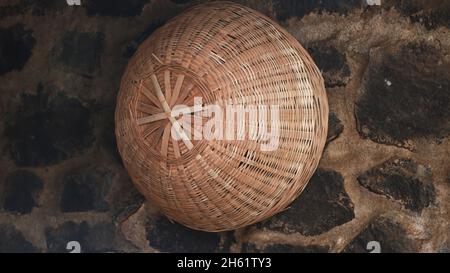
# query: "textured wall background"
384, 176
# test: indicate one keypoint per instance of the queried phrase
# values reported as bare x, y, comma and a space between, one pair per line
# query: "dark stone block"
133, 46
323, 205
284, 248
12, 241
44, 131
444, 246
115, 8
92, 238
12, 10
228, 239
390, 235
45, 7
405, 96
335, 127
286, 9
431, 14
127, 201
332, 63
402, 180
107, 138
16, 44
86, 189
180, 2
21, 190
79, 52
173, 237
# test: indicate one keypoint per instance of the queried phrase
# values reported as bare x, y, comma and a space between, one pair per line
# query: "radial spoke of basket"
152, 118
152, 128
158, 133
181, 133
148, 93
147, 108
174, 113
190, 110
167, 86
165, 139
184, 94
176, 89
159, 94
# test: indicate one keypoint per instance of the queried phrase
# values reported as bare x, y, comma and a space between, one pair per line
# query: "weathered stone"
405, 96
108, 136
180, 2
12, 241
128, 201
86, 189
332, 63
284, 248
12, 10
335, 127
79, 52
45, 7
323, 205
118, 8
285, 9
100, 237
431, 14
132, 47
228, 239
21, 190
444, 246
16, 45
173, 237
402, 180
45, 130
390, 235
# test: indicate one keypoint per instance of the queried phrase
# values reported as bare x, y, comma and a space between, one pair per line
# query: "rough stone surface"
13, 241
335, 127
172, 237
16, 45
92, 238
390, 235
323, 205
45, 7
286, 9
86, 189
431, 14
132, 47
332, 63
79, 52
12, 10
284, 248
405, 96
127, 203
402, 180
20, 192
44, 130
115, 7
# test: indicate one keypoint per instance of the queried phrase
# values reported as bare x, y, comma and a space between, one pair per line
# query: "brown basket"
224, 53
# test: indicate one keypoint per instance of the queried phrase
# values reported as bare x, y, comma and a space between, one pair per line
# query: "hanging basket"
217, 171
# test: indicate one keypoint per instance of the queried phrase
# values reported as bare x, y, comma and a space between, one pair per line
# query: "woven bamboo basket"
226, 54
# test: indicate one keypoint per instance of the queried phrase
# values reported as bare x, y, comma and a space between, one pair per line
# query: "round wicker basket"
220, 56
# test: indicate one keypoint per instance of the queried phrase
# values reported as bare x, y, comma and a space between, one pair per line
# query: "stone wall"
384, 175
